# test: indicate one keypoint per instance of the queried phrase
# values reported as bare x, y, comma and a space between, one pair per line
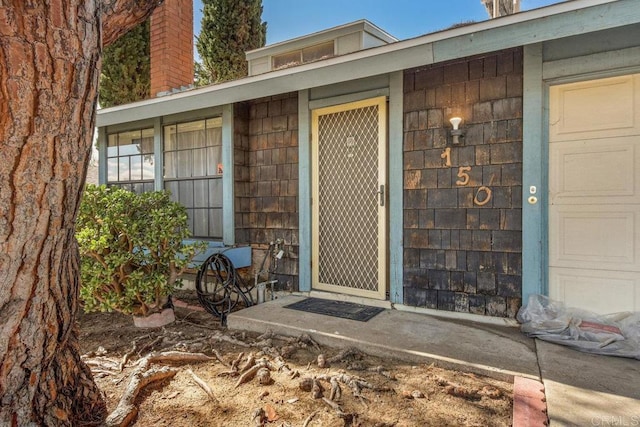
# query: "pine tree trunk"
49, 69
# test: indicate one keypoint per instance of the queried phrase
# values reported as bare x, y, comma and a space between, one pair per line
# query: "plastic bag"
615, 334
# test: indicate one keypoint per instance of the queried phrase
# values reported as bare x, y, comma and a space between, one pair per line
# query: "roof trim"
538, 25
321, 36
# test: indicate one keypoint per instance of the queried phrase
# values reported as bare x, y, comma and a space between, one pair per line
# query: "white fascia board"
308, 40
278, 82
601, 16
539, 25
378, 32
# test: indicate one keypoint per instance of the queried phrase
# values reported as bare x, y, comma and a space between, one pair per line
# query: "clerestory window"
302, 56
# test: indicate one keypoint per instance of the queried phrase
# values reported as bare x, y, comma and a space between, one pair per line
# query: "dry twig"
150, 345
219, 336
332, 404
178, 357
347, 352
203, 385
219, 357
309, 418
249, 374
126, 411
236, 362
251, 360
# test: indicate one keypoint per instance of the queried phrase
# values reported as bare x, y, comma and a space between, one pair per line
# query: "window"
301, 56
193, 172
130, 160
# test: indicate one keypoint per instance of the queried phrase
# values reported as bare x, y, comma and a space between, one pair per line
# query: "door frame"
539, 76
383, 238
601, 204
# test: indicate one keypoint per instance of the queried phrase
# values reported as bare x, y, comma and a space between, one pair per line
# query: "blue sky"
287, 19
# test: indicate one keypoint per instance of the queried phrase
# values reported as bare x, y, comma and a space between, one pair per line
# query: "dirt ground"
375, 392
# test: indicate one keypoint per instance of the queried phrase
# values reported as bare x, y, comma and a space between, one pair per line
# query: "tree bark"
50, 54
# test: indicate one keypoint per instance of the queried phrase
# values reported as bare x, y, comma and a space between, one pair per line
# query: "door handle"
380, 192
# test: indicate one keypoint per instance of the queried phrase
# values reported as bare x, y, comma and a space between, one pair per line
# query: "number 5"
462, 173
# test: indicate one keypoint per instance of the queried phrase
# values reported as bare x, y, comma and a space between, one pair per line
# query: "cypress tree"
126, 68
229, 29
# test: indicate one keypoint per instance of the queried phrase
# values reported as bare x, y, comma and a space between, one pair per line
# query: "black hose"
220, 287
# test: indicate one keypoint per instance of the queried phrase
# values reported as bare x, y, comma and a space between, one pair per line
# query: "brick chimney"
171, 46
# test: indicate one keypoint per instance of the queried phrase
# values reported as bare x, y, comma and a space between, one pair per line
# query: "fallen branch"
127, 355
219, 357
126, 411
103, 364
99, 352
317, 390
288, 350
308, 420
188, 346
259, 417
307, 340
125, 359
264, 376
380, 370
235, 363
491, 392
305, 384
354, 383
268, 334
219, 336
333, 405
100, 373
251, 360
347, 352
263, 343
462, 391
280, 365
336, 391
177, 357
458, 390
249, 374
150, 345
203, 385
321, 361
270, 351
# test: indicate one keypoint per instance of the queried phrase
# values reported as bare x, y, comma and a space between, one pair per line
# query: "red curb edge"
529, 403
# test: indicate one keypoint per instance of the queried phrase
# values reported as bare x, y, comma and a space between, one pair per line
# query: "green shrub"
131, 249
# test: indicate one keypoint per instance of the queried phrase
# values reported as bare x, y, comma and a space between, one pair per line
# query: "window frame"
143, 183
300, 53
181, 181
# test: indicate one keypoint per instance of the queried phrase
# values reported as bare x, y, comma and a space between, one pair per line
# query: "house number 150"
463, 174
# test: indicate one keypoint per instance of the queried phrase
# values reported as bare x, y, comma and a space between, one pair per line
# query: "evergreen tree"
229, 29
126, 68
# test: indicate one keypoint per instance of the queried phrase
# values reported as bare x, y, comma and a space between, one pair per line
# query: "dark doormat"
343, 309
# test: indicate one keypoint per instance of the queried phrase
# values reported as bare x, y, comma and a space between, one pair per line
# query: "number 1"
446, 154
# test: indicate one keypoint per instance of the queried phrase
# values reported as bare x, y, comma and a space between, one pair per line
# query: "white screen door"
349, 192
594, 194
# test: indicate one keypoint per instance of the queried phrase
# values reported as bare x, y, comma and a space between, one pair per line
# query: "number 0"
487, 192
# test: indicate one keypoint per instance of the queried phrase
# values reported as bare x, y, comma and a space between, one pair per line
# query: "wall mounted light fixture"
456, 132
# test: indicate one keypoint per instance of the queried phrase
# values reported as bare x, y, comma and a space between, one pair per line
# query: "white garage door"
594, 194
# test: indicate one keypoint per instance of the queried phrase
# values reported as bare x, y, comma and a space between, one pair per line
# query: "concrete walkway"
581, 389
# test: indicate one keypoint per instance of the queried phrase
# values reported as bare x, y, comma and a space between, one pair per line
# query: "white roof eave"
557, 21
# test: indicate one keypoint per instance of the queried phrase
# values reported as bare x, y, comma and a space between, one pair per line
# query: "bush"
131, 249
